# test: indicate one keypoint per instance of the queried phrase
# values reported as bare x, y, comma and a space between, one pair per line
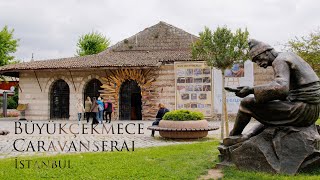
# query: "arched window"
130, 106
59, 100
92, 89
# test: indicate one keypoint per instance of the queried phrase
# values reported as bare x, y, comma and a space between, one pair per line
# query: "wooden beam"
37, 80
73, 82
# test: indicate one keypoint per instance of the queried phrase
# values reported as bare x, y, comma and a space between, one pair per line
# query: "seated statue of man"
291, 99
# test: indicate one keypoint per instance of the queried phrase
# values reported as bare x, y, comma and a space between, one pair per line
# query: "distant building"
8, 84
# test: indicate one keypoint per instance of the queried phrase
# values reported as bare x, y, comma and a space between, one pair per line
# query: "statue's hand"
245, 91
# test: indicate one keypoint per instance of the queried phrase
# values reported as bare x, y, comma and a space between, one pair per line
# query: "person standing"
161, 112
108, 110
87, 108
80, 109
100, 109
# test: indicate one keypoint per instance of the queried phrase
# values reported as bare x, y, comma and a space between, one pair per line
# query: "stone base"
283, 149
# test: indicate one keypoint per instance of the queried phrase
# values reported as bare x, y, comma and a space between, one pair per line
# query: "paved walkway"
65, 139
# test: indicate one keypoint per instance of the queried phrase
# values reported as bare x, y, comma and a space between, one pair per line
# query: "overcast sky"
51, 28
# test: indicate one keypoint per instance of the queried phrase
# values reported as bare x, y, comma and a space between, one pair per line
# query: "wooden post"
223, 98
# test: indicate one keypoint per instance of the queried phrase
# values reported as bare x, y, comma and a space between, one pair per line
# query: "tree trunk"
224, 120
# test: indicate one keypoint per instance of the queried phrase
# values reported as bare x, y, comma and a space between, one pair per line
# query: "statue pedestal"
283, 149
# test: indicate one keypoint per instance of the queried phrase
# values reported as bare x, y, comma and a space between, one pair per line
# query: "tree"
307, 47
13, 100
221, 49
92, 43
7, 45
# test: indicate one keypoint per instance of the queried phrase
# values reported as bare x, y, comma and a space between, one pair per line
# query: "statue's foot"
232, 140
4, 132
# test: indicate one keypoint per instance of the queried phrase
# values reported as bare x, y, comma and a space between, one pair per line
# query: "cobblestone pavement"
124, 137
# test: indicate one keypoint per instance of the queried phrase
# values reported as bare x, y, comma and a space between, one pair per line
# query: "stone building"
137, 73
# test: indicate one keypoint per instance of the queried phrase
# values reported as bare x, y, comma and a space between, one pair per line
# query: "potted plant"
183, 124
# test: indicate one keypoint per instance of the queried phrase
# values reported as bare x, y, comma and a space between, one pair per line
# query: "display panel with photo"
197, 80
185, 96
189, 72
189, 79
206, 88
181, 72
206, 71
201, 106
193, 86
180, 106
202, 96
206, 80
237, 70
194, 106
194, 96
181, 80
197, 72
198, 88
189, 88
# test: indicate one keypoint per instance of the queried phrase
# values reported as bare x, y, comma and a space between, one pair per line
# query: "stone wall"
164, 91
37, 95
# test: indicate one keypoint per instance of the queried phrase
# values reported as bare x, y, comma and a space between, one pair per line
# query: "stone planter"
184, 129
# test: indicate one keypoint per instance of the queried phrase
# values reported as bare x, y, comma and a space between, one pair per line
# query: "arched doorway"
59, 100
130, 101
92, 89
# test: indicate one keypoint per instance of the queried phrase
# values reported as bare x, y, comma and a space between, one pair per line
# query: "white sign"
235, 77
12, 88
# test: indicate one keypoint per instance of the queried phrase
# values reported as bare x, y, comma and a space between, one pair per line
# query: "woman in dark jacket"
162, 110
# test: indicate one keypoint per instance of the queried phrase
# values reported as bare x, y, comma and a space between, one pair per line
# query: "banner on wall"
193, 82
238, 75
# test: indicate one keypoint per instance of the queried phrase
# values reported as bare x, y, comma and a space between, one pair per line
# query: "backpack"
109, 107
100, 107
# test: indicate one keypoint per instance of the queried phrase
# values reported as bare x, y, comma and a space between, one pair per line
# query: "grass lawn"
187, 161
234, 174
318, 121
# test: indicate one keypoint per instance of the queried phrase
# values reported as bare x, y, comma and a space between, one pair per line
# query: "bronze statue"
291, 99
286, 140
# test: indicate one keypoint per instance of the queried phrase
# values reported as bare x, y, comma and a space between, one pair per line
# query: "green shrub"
11, 103
183, 115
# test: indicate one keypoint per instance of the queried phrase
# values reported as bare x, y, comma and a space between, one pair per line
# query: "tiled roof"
159, 43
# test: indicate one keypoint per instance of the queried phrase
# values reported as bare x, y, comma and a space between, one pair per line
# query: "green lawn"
168, 162
188, 161
318, 121
234, 174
